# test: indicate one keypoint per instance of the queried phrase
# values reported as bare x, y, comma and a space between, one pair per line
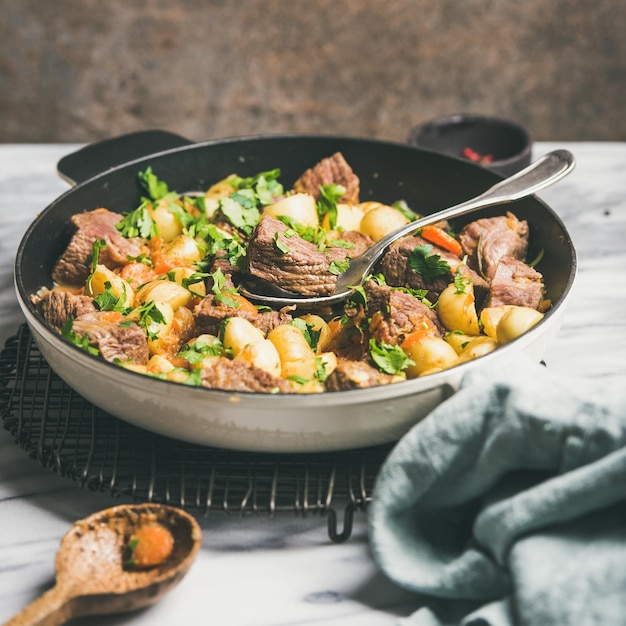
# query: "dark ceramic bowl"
501, 145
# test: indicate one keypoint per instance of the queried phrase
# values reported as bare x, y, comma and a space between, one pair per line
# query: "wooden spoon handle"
52, 608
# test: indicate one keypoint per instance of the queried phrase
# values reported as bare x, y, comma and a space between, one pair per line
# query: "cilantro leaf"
97, 245
108, 301
403, 207
82, 341
241, 211
327, 202
265, 185
220, 291
149, 317
338, 267
311, 334
389, 358
155, 187
138, 223
196, 351
320, 369
280, 244
461, 281
428, 265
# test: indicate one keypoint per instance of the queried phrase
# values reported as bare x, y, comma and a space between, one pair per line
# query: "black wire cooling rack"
70, 436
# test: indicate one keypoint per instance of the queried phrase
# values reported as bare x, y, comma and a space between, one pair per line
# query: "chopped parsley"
97, 245
338, 267
108, 301
311, 335
149, 317
241, 211
82, 341
428, 265
320, 373
196, 351
138, 223
389, 358
265, 185
327, 202
280, 244
193, 379
300, 380
221, 292
461, 281
155, 187
403, 207
130, 562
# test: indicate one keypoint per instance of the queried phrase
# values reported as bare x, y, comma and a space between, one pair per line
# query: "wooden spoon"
91, 578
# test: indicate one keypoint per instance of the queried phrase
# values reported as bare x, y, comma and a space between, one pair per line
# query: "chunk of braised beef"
210, 313
114, 339
515, 282
74, 265
239, 376
57, 307
395, 314
222, 262
487, 240
351, 374
351, 243
289, 262
334, 169
397, 270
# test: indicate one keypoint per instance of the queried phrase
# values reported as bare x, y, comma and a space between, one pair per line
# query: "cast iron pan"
388, 172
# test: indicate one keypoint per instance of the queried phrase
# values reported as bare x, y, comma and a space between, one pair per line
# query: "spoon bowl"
538, 175
91, 578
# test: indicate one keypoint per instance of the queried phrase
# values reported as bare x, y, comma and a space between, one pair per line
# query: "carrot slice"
244, 303
151, 545
426, 329
441, 238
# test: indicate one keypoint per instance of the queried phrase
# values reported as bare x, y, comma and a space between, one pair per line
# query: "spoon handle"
51, 608
540, 174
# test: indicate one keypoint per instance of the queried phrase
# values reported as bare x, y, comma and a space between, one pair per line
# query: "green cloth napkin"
507, 504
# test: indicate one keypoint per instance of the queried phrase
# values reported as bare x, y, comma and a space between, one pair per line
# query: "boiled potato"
479, 346
490, 317
329, 362
262, 354
97, 284
300, 207
207, 360
429, 353
319, 323
457, 311
158, 364
182, 251
238, 333
215, 193
167, 222
296, 357
515, 322
158, 331
164, 291
459, 341
381, 220
178, 274
349, 217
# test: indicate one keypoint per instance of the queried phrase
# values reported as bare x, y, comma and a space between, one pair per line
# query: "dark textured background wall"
80, 70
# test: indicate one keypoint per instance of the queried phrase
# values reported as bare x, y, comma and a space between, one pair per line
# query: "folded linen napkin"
507, 504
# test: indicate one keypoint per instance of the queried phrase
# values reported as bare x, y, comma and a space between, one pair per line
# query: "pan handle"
96, 158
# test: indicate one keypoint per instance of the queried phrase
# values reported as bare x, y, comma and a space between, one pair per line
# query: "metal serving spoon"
543, 172
90, 574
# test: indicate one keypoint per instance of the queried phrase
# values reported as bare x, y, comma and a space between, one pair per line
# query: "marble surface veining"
285, 571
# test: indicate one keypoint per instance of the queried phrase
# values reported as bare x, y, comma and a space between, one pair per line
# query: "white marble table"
260, 571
